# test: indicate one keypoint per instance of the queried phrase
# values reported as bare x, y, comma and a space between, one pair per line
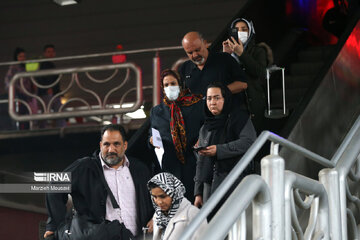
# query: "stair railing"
327, 200
252, 189
101, 106
45, 108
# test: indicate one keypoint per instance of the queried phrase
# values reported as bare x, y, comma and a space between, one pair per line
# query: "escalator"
305, 60
324, 124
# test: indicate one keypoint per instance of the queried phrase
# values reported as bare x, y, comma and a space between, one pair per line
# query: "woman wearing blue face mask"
178, 119
253, 59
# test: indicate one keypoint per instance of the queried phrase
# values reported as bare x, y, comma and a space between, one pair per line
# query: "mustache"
198, 60
111, 154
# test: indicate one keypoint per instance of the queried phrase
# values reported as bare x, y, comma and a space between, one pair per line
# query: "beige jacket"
179, 222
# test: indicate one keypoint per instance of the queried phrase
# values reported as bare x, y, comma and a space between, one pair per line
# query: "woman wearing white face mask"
253, 59
178, 119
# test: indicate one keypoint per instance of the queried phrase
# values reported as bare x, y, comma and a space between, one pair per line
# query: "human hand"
48, 234
150, 226
235, 46
198, 201
226, 47
209, 151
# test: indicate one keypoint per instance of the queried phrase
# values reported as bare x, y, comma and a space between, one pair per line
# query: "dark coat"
89, 193
228, 154
193, 118
233, 133
254, 62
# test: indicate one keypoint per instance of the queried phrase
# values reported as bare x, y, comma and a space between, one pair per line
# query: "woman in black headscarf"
225, 137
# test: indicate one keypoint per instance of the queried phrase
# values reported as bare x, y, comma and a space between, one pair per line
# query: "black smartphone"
196, 149
233, 32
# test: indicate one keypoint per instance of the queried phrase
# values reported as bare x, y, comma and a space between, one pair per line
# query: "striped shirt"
122, 186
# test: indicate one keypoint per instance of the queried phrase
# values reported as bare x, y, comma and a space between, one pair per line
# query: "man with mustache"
126, 177
205, 67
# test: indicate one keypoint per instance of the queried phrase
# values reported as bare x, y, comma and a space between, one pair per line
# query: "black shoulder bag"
79, 227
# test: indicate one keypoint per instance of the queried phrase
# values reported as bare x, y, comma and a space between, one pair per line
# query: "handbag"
80, 227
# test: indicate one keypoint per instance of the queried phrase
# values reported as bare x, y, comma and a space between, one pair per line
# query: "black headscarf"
227, 125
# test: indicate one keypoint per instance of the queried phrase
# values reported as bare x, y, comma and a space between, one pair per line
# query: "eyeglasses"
215, 98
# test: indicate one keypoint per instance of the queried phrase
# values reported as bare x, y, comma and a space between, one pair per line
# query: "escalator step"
314, 54
304, 81
292, 97
301, 68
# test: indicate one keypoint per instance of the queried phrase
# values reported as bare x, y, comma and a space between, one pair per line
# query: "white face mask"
172, 92
243, 37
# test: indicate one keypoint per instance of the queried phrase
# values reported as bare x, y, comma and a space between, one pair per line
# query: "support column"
156, 79
330, 179
272, 171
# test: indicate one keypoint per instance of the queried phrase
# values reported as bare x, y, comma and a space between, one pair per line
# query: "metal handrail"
343, 166
349, 136
240, 167
301, 150
93, 55
156, 82
253, 187
101, 111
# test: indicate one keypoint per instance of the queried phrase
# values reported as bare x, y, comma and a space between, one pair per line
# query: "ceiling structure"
94, 26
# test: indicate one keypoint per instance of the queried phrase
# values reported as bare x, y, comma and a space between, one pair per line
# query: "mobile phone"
198, 148
233, 32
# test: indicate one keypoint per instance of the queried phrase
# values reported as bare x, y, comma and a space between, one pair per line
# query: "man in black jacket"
125, 176
205, 67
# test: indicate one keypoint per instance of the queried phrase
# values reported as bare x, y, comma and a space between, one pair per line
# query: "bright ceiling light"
65, 2
106, 122
138, 114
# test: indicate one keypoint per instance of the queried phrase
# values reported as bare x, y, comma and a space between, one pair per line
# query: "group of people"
157, 203
206, 125
212, 109
25, 87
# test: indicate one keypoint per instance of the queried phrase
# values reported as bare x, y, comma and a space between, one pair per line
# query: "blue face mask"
172, 92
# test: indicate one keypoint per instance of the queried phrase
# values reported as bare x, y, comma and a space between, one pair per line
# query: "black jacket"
254, 62
193, 118
219, 67
89, 193
233, 133
227, 156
